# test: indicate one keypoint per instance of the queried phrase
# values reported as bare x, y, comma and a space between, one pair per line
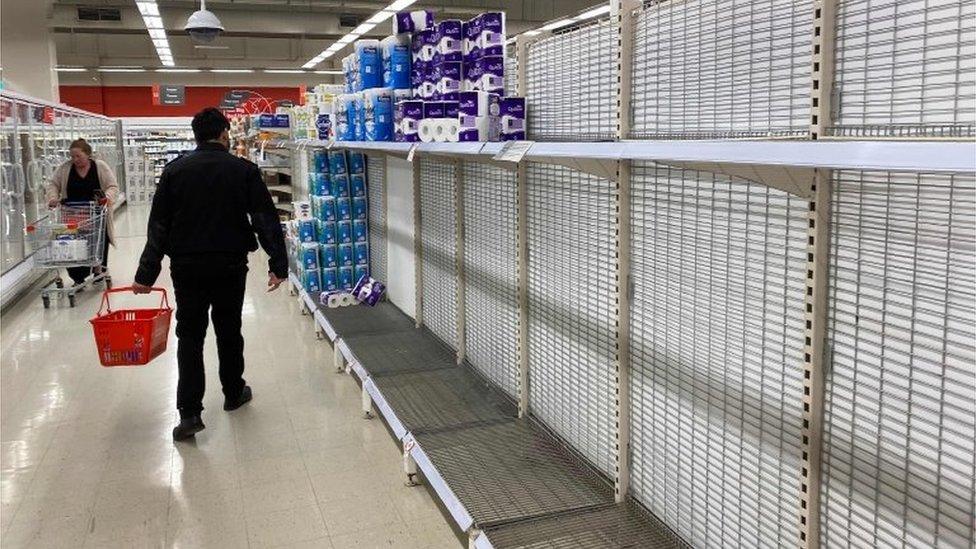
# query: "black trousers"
79, 274
219, 291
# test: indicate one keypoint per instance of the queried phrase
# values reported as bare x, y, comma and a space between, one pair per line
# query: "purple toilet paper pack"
472, 32
412, 21
407, 120
492, 74
450, 45
368, 291
491, 36
478, 116
434, 109
512, 118
472, 76
449, 80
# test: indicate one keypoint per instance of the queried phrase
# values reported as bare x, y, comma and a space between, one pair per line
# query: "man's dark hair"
208, 124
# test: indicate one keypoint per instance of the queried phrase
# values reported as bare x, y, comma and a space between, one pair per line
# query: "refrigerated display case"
34, 139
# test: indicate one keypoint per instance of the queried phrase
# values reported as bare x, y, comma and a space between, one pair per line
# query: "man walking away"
208, 206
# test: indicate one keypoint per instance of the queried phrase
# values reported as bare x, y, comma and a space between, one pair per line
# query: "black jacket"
200, 214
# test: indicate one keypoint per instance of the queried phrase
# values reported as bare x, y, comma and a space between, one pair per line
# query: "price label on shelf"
513, 151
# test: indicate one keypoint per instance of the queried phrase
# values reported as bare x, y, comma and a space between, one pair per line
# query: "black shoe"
189, 426
233, 404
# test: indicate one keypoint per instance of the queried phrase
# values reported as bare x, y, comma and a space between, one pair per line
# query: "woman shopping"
83, 179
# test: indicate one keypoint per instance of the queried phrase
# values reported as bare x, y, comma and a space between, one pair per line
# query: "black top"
208, 206
83, 189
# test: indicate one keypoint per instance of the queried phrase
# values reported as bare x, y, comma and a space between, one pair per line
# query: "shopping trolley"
71, 235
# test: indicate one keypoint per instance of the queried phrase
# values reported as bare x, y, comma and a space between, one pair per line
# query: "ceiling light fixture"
157, 32
362, 29
179, 70
232, 71
588, 14
120, 69
333, 71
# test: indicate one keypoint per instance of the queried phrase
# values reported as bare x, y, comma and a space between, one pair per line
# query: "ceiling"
259, 33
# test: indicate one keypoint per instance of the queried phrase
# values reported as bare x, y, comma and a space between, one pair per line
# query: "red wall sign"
121, 101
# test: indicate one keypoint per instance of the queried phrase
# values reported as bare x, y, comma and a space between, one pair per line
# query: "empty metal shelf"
400, 352
346, 322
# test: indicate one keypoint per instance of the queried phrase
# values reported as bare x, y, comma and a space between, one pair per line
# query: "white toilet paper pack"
449, 80
491, 74
344, 117
396, 52
359, 125
407, 120
491, 35
412, 21
402, 95
450, 45
478, 116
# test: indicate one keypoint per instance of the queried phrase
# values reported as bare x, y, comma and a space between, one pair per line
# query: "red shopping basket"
131, 337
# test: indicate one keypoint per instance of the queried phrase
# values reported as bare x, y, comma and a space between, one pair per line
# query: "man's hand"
274, 282
140, 288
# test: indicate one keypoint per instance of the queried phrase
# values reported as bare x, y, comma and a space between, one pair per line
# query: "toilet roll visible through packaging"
360, 232
450, 45
491, 36
491, 71
378, 114
407, 120
370, 63
360, 208
412, 21
478, 113
344, 232
512, 118
396, 51
343, 209
357, 184
328, 256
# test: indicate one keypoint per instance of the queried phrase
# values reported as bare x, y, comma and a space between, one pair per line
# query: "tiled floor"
88, 461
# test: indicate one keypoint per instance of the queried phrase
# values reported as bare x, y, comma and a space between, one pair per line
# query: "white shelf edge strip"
482, 542
450, 500
399, 431
913, 156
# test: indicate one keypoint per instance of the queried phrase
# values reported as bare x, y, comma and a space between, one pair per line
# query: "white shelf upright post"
461, 279
418, 249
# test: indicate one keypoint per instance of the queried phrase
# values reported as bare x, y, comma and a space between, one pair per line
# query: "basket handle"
106, 305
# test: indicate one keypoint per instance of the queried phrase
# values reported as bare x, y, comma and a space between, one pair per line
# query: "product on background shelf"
359, 132
344, 232
378, 114
344, 117
412, 21
303, 209
512, 118
323, 126
407, 120
396, 51
360, 231
357, 185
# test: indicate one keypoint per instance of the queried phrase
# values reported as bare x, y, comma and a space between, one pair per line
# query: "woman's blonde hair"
81, 145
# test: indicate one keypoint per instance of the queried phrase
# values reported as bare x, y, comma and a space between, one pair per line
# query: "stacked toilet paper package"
429, 82
332, 228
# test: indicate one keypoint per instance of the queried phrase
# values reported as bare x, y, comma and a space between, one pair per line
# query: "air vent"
99, 14
349, 20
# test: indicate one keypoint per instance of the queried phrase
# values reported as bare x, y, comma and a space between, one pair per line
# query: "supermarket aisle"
88, 460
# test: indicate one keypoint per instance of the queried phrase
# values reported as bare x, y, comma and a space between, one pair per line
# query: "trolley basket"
72, 235
131, 337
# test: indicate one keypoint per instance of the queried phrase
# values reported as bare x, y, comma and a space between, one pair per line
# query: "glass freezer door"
12, 181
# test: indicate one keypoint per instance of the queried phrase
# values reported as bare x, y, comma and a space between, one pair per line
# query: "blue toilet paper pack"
326, 209
360, 209
340, 186
306, 230
344, 114
357, 184
378, 114
370, 64
327, 232
361, 271
312, 281
346, 255
330, 280
357, 162
407, 120
338, 164
310, 255
361, 251
344, 232
319, 183
397, 56
328, 256
360, 126
346, 278
360, 231
321, 159
450, 44
343, 209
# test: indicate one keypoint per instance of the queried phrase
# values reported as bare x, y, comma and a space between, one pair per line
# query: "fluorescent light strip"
362, 29
588, 14
595, 12
333, 71
120, 69
157, 33
557, 24
71, 69
179, 70
231, 71
284, 71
